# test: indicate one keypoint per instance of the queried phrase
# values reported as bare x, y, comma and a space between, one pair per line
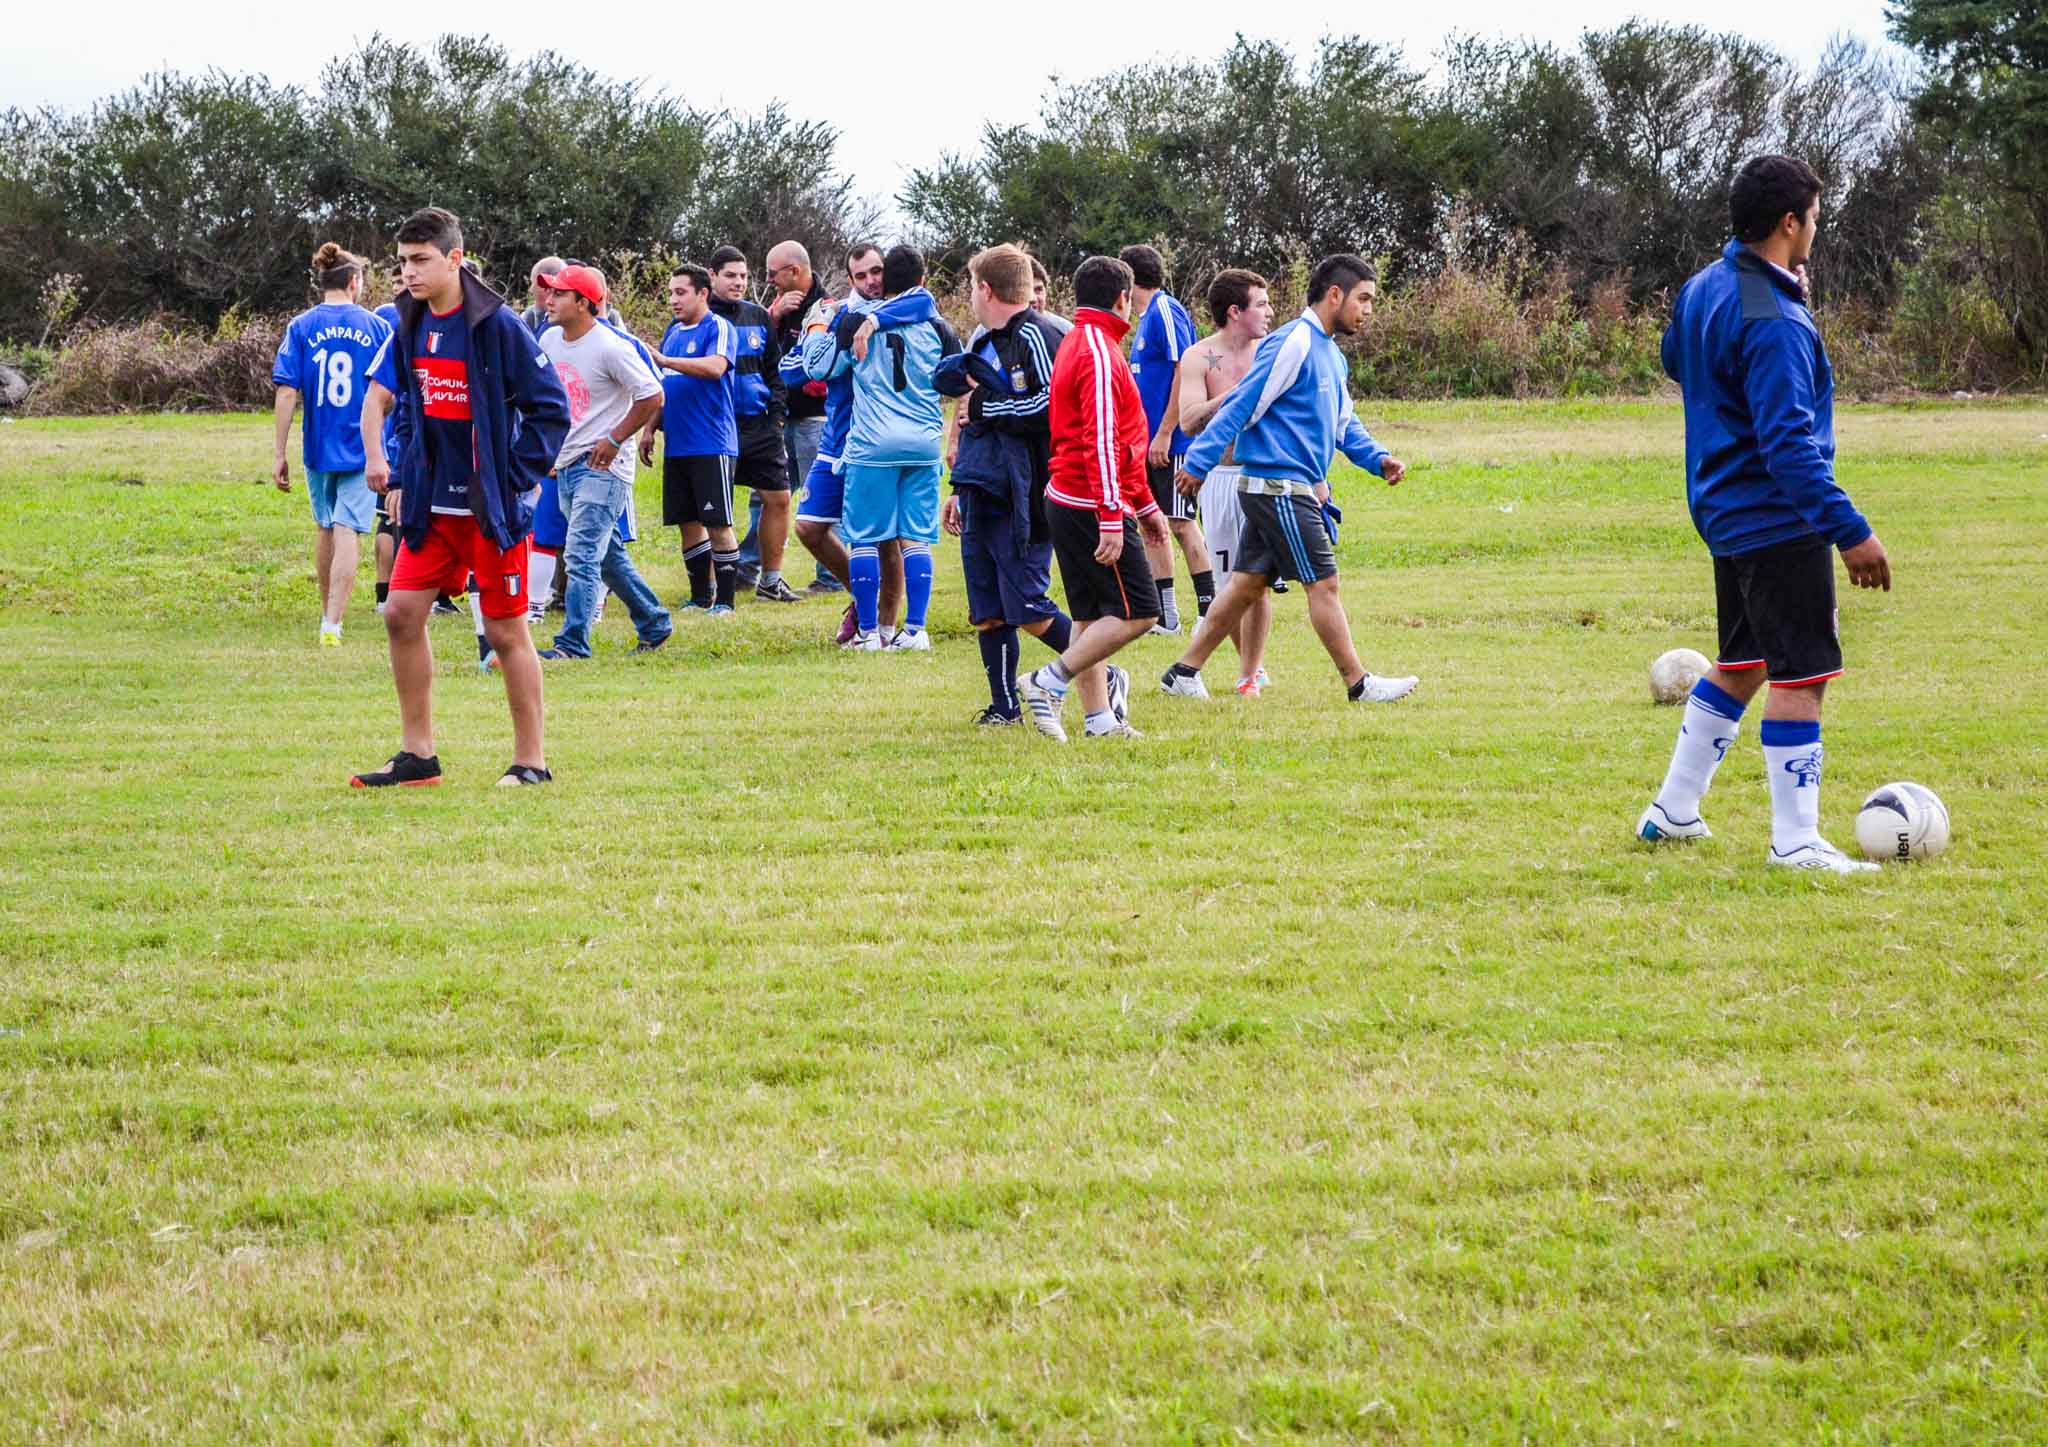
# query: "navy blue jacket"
1759, 410
518, 411
1006, 439
757, 386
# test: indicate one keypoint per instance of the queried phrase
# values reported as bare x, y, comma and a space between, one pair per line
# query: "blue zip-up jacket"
1759, 410
897, 417
817, 360
1291, 414
519, 414
757, 389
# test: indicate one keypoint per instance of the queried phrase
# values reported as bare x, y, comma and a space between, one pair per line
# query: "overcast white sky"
905, 101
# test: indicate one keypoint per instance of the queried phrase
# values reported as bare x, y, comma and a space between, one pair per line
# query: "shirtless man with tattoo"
1208, 370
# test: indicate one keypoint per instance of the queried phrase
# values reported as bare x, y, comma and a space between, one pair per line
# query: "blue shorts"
551, 528
824, 498
892, 500
1003, 581
341, 500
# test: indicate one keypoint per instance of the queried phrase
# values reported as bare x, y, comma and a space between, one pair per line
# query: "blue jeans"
593, 556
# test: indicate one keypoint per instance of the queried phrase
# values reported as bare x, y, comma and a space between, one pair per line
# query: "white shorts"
1222, 516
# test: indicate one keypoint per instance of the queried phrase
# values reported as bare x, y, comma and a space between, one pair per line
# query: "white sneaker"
1820, 855
911, 640
864, 640
1119, 694
1656, 826
1160, 630
1183, 685
1259, 677
1042, 707
1385, 690
1121, 729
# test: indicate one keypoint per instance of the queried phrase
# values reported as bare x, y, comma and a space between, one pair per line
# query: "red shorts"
455, 550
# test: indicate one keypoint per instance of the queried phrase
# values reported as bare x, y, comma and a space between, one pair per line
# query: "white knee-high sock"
1712, 719
1792, 760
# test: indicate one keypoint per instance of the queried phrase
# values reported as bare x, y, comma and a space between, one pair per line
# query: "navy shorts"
1284, 537
1004, 581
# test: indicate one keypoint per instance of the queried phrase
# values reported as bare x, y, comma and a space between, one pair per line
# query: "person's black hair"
1100, 281
858, 250
725, 256
700, 277
435, 226
902, 268
1342, 271
1765, 191
1147, 270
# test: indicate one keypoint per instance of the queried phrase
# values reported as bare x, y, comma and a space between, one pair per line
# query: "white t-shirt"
604, 375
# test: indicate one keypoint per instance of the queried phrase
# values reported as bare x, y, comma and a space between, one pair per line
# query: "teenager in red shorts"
485, 416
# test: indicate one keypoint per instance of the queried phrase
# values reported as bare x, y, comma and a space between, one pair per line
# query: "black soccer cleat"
403, 770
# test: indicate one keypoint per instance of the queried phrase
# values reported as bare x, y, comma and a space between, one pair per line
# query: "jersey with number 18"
326, 354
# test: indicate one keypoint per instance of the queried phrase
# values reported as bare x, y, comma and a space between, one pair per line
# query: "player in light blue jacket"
894, 450
1289, 418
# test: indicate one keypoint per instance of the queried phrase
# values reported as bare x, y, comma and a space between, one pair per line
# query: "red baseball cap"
580, 279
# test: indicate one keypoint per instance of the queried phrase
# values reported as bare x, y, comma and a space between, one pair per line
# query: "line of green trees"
194, 194
1592, 172
1606, 162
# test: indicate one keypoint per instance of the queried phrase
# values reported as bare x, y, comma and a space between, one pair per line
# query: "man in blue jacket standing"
1290, 417
483, 417
1760, 480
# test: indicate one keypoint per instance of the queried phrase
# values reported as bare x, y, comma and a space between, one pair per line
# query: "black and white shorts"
1160, 480
1284, 537
696, 490
1123, 589
1777, 608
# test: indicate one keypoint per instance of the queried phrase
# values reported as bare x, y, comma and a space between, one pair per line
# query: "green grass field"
805, 1066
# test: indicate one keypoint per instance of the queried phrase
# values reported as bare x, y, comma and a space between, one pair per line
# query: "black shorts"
1283, 537
1123, 589
385, 528
764, 456
1777, 608
1160, 480
696, 490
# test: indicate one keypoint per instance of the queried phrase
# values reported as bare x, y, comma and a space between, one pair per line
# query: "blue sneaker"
556, 655
721, 610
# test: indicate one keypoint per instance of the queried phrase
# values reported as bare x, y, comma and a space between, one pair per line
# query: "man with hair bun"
324, 357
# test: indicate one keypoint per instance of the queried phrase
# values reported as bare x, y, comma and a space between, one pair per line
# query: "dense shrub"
159, 366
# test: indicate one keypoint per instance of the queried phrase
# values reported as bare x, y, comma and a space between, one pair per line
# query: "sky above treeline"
899, 100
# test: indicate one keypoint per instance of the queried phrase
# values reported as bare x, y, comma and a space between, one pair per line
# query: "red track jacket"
1099, 432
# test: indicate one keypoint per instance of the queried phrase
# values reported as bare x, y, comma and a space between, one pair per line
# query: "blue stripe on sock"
1716, 700
1785, 733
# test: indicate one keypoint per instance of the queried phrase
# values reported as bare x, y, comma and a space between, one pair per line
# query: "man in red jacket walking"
1099, 437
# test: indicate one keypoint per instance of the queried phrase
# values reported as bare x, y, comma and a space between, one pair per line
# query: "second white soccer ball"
1673, 674
1902, 822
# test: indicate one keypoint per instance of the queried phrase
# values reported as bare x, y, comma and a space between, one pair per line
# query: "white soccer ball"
1902, 822
1673, 674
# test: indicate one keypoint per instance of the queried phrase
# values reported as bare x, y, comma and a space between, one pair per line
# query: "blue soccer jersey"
440, 363
326, 354
697, 414
1163, 333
